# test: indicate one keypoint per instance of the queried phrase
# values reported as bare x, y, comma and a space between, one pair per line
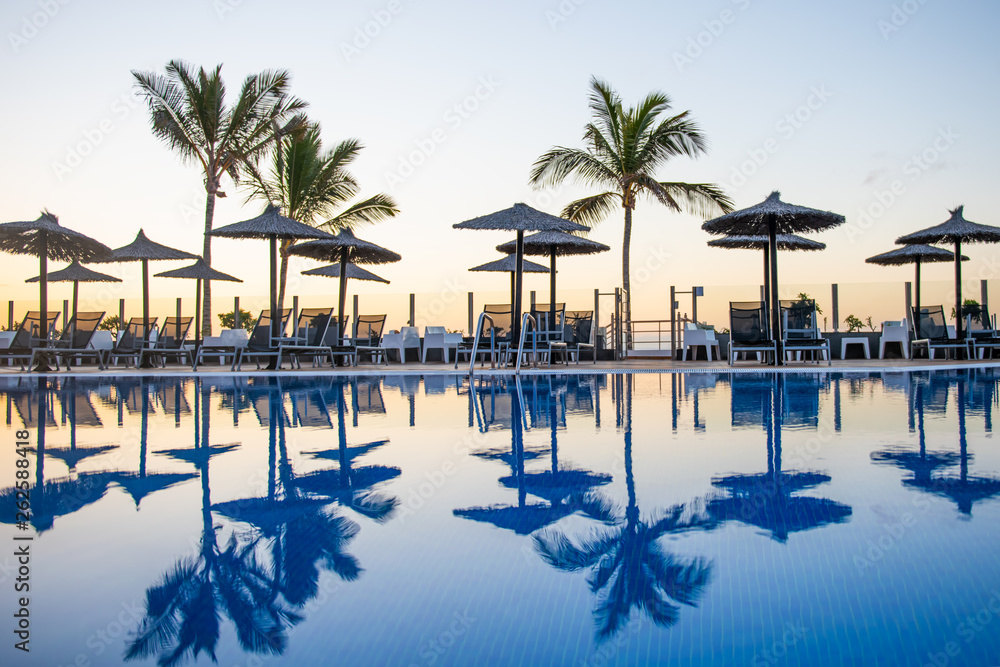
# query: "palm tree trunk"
206, 253
626, 286
283, 273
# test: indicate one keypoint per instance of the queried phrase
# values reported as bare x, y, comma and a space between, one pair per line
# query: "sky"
881, 110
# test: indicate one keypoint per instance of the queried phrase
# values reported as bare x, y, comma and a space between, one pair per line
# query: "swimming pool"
821, 518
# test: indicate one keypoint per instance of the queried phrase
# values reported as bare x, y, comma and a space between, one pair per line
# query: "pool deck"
640, 365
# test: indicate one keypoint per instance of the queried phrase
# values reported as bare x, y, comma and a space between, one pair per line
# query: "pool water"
647, 519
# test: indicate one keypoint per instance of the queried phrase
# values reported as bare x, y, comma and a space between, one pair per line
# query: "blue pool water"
650, 519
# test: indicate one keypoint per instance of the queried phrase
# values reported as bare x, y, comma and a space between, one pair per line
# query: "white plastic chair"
438, 338
695, 337
408, 337
894, 332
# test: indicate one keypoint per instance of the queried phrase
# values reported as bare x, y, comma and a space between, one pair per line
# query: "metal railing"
525, 319
475, 344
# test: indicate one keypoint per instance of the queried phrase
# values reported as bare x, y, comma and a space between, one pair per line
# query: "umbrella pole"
916, 318
512, 292
552, 288
342, 303
772, 241
147, 362
518, 278
958, 290
767, 276
197, 312
275, 315
43, 304
76, 297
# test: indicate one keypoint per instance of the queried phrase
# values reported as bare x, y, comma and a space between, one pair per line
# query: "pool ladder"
526, 319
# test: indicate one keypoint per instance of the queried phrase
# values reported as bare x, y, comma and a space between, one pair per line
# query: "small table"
854, 340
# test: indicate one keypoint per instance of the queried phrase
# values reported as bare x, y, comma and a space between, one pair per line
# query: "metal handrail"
525, 319
475, 343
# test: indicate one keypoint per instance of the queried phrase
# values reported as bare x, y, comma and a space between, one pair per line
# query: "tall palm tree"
624, 148
189, 113
310, 184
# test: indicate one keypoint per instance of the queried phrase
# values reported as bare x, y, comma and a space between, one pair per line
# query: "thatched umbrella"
143, 250
200, 271
344, 248
773, 217
784, 242
509, 265
914, 253
957, 230
354, 272
76, 273
520, 218
271, 225
46, 239
554, 244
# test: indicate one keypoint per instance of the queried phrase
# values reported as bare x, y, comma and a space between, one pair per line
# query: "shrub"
111, 323
228, 321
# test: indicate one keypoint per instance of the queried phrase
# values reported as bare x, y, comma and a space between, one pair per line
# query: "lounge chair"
368, 338
800, 330
75, 341
495, 338
131, 342
308, 338
747, 332
931, 332
228, 343
578, 333
695, 337
27, 337
980, 331
262, 342
549, 333
171, 342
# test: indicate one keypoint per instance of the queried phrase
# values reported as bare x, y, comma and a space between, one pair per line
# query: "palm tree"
624, 148
310, 184
189, 113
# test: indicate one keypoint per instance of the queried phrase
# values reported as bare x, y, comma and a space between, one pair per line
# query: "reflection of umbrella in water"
72, 455
773, 217
141, 484
765, 500
520, 218
76, 273
957, 230
917, 254
46, 239
199, 271
964, 490
203, 449
784, 242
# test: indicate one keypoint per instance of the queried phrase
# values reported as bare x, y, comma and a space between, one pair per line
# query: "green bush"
227, 320
110, 323
969, 307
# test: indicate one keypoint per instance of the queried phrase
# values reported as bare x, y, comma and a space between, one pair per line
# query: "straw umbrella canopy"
509, 264
344, 248
956, 230
271, 225
554, 244
520, 218
46, 239
761, 242
773, 217
76, 273
354, 272
143, 250
914, 253
199, 271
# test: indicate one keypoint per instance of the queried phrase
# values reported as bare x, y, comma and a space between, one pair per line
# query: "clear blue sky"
886, 81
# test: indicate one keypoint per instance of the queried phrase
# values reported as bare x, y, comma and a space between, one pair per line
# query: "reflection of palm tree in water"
629, 568
183, 611
765, 499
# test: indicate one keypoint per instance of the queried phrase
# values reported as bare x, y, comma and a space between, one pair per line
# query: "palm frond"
705, 200
592, 210
559, 163
374, 209
606, 107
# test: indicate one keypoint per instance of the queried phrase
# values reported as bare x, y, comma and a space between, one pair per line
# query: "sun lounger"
131, 342
171, 342
747, 332
75, 341
931, 333
262, 342
308, 338
27, 336
800, 330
